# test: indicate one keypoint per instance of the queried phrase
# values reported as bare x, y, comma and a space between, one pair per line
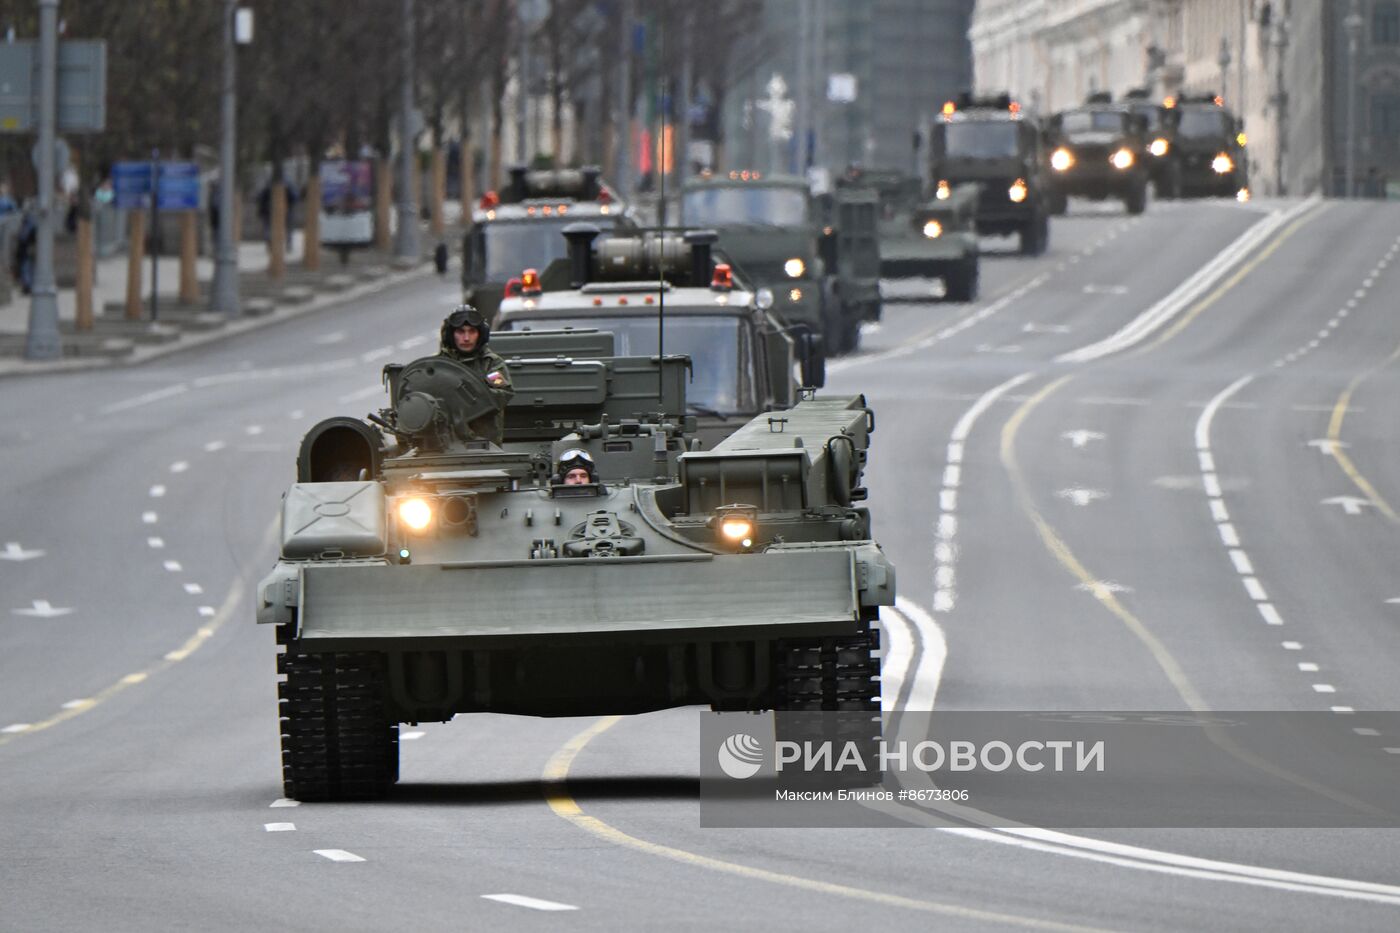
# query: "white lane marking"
253, 430
533, 903
284, 802
1327, 447
952, 475
1351, 505
1255, 589
411, 736
17, 727
136, 678
955, 453
338, 855
990, 348
1307, 666
1033, 328
1292, 646
944, 577
369, 356
194, 589
1344, 710
1392, 751
150, 518
364, 393
1103, 589
14, 552
335, 336
948, 500
1207, 461
296, 414
280, 827
1082, 496
1080, 437
1218, 511
897, 651
214, 446
1105, 289
1324, 688
138, 401
179, 466
1212, 485
42, 609
1271, 616
1228, 535
1185, 294
412, 342
206, 611
1241, 561
155, 543
1360, 731
929, 674
82, 703
173, 566
156, 491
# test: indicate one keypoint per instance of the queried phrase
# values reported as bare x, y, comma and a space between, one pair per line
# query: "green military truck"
655, 290
922, 236
518, 228
820, 256
1099, 151
1163, 154
1211, 142
992, 143
453, 576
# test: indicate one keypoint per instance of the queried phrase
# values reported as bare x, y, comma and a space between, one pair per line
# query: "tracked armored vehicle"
450, 576
656, 289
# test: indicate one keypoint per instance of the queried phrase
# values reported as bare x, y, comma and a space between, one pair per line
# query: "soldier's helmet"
465, 315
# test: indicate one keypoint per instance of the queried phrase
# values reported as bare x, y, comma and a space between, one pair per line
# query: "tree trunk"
311, 225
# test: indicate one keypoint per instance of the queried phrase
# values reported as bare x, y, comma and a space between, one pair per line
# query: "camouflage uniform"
486, 364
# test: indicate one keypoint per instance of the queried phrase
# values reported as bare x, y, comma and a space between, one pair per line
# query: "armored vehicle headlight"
1061, 159
1242, 195
1017, 192
1122, 159
933, 229
944, 192
1222, 164
763, 298
736, 524
415, 513
794, 267
1159, 147
795, 294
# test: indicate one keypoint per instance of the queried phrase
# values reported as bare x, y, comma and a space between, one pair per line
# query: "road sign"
82, 86
178, 187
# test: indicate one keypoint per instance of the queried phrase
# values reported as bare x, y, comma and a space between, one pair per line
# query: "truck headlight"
1061, 159
933, 229
943, 192
415, 513
1122, 159
1017, 192
1159, 147
794, 268
1222, 164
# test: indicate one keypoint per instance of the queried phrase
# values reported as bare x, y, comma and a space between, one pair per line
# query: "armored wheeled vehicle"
450, 576
660, 290
1099, 151
1163, 154
819, 255
922, 236
1211, 142
991, 143
519, 226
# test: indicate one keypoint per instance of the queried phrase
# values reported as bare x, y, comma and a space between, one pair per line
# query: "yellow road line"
556, 793
1200, 307
1334, 434
206, 631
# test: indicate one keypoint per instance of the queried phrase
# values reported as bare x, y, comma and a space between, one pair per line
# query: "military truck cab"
1211, 143
1163, 153
656, 291
1099, 151
992, 143
820, 257
519, 227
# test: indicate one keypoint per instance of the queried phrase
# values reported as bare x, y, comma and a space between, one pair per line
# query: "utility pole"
406, 240
224, 294
43, 341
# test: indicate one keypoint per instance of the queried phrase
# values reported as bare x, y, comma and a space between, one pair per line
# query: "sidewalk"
114, 340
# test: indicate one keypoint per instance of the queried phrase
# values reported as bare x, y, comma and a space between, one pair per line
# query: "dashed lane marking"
531, 903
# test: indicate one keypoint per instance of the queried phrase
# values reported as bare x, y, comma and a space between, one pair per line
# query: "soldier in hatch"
464, 337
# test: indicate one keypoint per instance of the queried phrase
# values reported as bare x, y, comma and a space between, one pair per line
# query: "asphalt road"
1161, 524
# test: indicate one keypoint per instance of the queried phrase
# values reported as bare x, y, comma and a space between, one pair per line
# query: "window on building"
1385, 23
1385, 118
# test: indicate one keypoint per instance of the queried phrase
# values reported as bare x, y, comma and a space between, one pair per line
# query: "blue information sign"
177, 189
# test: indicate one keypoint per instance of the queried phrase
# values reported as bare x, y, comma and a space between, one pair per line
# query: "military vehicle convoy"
1099, 151
519, 227
1211, 145
922, 236
655, 290
992, 143
820, 255
451, 576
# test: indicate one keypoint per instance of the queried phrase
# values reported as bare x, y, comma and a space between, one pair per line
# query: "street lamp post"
43, 341
1353, 25
406, 240
224, 293
1223, 60
1280, 103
